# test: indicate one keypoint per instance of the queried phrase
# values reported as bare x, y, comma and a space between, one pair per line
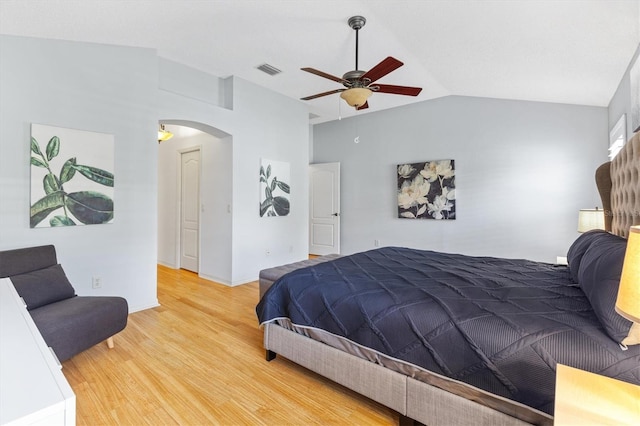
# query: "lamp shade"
356, 96
589, 219
628, 302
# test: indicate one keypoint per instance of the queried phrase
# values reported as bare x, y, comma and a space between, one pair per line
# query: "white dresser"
33, 390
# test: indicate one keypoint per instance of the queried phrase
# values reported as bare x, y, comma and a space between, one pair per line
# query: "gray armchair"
68, 323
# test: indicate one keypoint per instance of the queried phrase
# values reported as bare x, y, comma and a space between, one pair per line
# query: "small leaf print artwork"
71, 177
274, 188
427, 190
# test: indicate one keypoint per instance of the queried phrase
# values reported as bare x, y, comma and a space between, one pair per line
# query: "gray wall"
621, 101
523, 170
258, 123
96, 88
125, 92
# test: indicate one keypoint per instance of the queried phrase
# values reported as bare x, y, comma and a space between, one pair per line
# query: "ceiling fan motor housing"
353, 77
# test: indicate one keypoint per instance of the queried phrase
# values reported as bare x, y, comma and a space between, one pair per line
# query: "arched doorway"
214, 202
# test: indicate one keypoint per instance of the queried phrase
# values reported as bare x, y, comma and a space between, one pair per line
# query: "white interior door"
190, 210
324, 208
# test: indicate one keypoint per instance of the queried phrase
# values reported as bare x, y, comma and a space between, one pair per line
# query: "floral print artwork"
427, 190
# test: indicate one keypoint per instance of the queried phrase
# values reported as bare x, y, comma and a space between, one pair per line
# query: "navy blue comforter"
498, 324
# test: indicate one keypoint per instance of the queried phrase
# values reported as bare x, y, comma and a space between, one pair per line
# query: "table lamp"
628, 301
589, 219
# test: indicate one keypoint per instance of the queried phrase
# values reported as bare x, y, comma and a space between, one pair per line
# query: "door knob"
335, 214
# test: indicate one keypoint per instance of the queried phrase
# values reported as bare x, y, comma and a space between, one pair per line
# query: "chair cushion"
23, 260
72, 325
43, 286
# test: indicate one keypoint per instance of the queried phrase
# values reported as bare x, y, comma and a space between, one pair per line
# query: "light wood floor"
198, 360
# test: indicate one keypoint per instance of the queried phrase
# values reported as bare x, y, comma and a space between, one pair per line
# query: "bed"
447, 339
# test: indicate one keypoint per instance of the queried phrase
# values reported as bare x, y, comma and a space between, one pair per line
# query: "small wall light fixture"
164, 135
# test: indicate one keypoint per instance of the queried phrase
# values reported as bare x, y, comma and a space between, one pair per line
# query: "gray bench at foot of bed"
269, 276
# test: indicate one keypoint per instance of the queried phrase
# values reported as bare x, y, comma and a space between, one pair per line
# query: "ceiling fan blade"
318, 95
397, 90
363, 106
324, 74
383, 68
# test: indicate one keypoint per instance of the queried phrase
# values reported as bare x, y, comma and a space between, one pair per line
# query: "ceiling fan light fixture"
164, 135
357, 96
358, 83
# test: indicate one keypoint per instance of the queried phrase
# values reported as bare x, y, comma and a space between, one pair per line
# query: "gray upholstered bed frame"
619, 186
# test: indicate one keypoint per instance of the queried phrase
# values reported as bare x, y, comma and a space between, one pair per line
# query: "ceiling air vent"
269, 69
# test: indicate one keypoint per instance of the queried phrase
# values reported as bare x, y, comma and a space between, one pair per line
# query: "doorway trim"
178, 246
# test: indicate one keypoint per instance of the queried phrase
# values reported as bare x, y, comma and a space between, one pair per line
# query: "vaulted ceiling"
565, 51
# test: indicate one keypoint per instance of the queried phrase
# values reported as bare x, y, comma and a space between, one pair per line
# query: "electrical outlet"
376, 243
96, 282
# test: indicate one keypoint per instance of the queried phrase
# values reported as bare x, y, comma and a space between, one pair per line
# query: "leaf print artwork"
427, 190
65, 192
274, 189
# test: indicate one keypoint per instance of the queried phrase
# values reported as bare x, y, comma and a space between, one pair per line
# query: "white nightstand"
33, 390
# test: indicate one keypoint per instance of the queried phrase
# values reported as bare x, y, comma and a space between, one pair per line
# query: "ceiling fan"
359, 84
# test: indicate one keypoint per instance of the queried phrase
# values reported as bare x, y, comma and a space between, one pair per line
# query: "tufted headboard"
618, 182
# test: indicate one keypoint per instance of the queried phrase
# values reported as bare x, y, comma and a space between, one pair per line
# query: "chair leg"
110, 342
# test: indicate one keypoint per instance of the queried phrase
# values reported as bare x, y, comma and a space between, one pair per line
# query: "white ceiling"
566, 51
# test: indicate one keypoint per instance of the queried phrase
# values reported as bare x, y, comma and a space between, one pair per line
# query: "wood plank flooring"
198, 360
